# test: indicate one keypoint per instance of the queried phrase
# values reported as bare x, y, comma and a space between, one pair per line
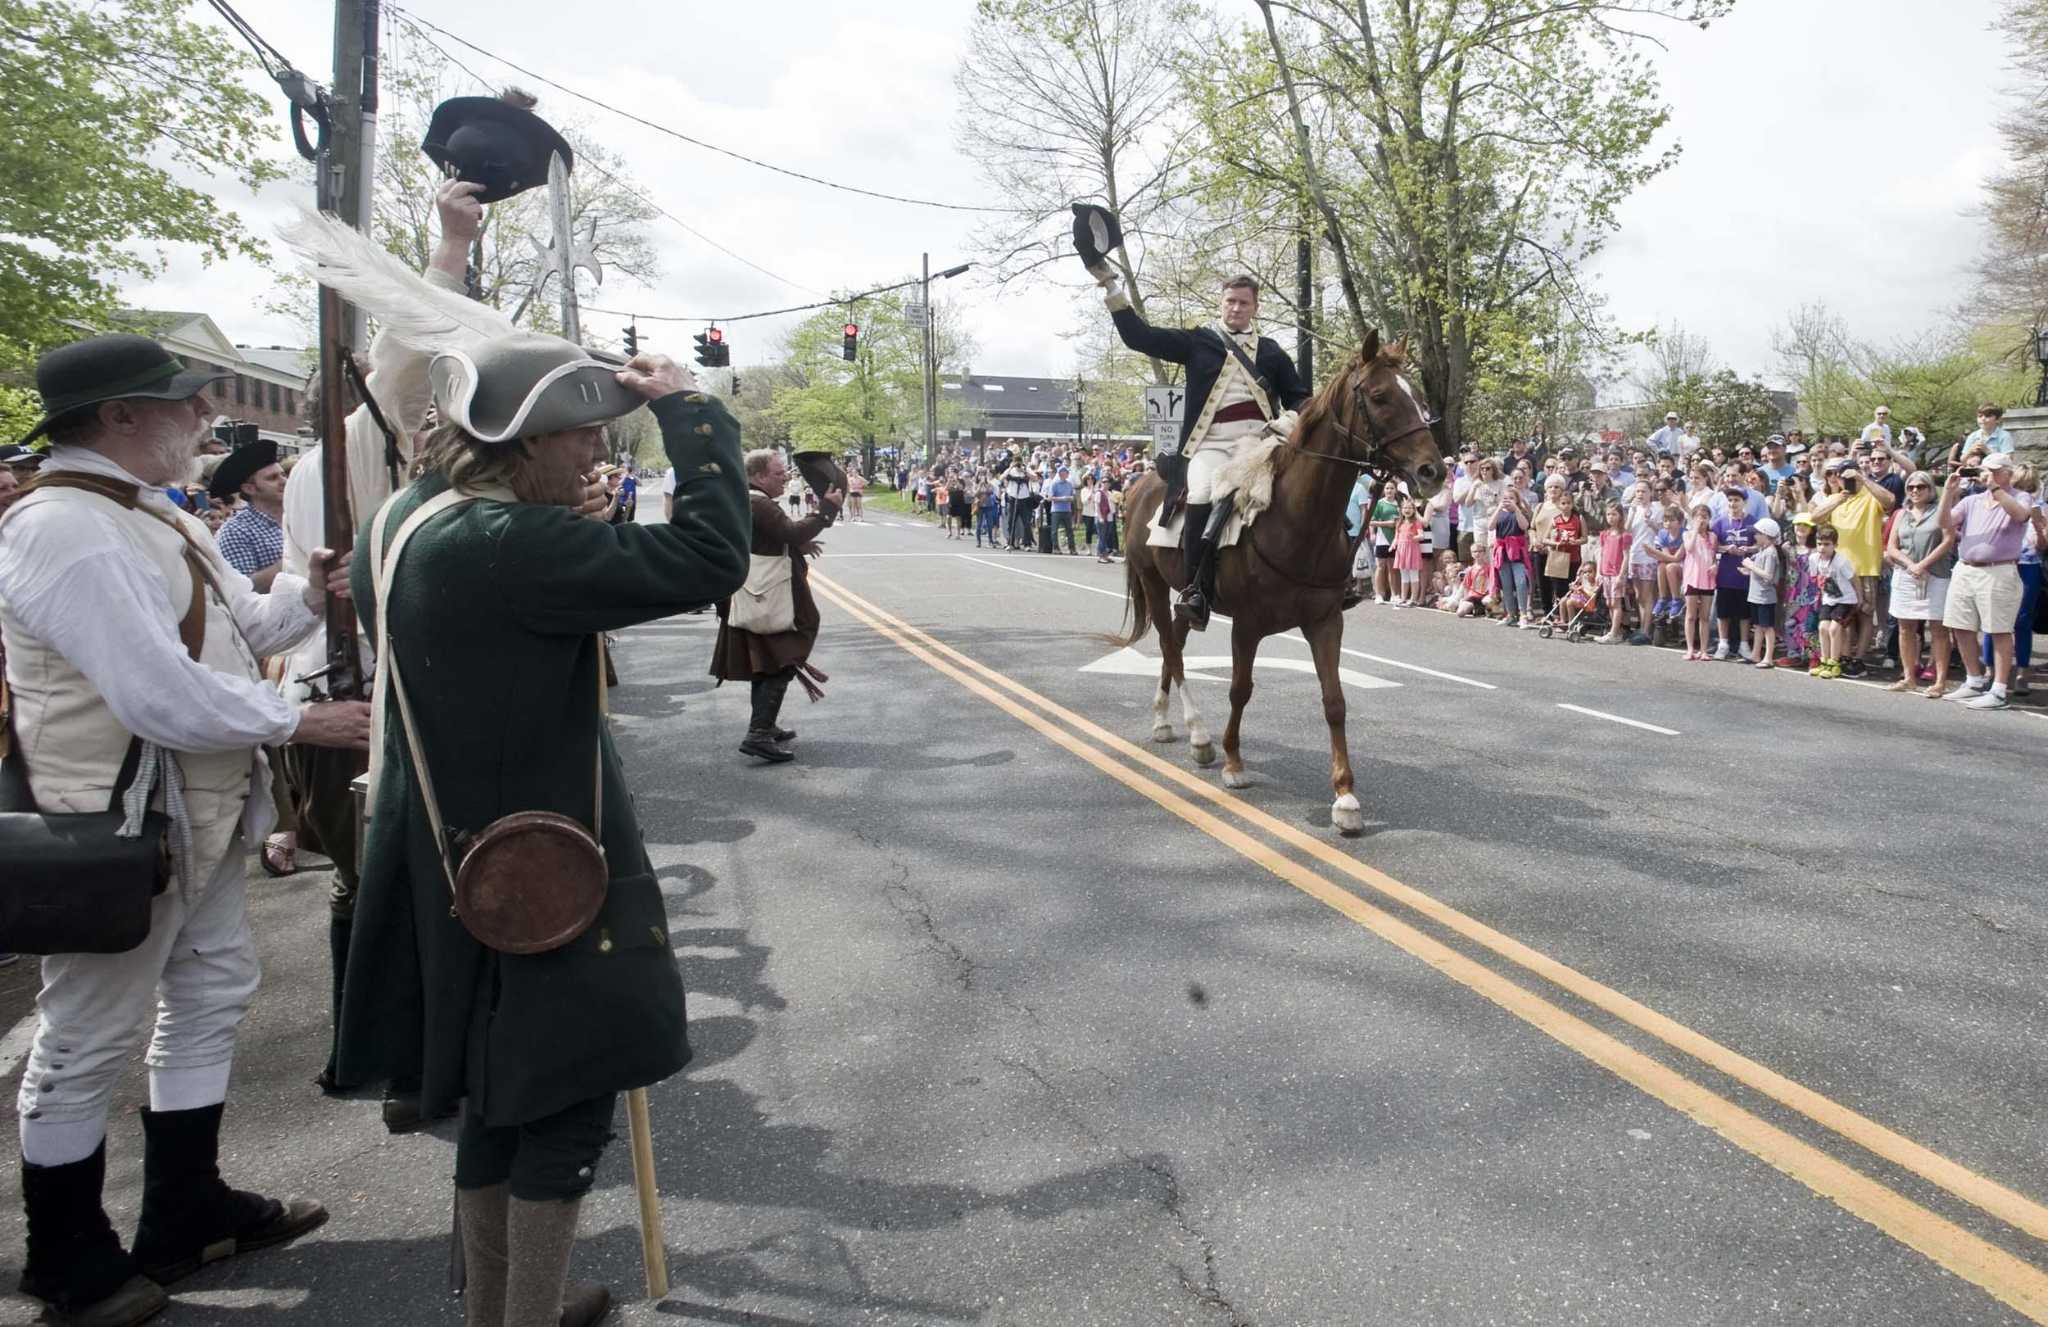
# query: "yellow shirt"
1859, 523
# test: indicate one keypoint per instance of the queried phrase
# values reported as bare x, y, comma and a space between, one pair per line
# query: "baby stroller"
1578, 613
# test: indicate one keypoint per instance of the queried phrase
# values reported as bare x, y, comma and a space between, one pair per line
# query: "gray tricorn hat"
527, 384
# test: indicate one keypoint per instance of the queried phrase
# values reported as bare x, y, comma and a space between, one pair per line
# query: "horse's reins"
1371, 462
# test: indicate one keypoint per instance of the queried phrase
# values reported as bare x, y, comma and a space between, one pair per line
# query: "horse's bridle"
1374, 443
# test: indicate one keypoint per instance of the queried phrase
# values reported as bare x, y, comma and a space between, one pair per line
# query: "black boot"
75, 1263
189, 1217
763, 740
1193, 604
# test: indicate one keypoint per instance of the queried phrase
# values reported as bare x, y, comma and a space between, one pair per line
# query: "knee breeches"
548, 1159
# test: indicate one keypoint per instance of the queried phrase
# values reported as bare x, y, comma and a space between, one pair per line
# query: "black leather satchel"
69, 883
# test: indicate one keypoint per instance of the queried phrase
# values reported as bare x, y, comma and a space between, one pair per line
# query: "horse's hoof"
1237, 778
1346, 815
1163, 733
1205, 754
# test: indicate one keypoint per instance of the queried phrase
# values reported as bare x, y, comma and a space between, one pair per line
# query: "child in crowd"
1584, 593
1762, 567
1385, 516
1470, 596
1837, 581
1408, 555
1668, 551
1701, 562
1800, 605
1615, 542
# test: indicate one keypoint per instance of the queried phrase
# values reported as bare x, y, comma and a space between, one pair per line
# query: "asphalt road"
1007, 1015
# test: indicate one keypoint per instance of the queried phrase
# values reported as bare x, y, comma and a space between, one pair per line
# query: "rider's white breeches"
1215, 453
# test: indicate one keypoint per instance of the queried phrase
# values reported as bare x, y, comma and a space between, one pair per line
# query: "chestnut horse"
1292, 567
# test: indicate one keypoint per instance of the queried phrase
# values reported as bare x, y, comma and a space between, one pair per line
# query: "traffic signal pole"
931, 432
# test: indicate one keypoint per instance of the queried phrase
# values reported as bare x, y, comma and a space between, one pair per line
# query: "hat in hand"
1096, 232
493, 142
525, 385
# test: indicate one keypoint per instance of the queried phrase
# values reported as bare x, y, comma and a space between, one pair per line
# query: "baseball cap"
1767, 527
1998, 461
1599, 465
1671, 416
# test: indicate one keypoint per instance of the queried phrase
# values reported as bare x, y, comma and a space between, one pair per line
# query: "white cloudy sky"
1833, 150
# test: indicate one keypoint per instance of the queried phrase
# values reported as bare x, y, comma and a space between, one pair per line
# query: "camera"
1969, 472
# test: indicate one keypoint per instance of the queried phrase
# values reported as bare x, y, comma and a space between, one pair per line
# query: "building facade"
269, 382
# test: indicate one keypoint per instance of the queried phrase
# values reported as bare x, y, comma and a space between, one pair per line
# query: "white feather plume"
405, 304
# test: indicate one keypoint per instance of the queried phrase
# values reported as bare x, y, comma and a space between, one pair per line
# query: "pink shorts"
1642, 571
1614, 587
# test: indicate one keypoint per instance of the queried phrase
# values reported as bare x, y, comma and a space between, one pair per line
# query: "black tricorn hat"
486, 141
821, 470
239, 466
111, 368
1096, 232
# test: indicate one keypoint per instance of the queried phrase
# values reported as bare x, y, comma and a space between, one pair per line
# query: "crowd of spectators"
1837, 556
1048, 500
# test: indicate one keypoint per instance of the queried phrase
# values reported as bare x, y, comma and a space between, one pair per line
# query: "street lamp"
928, 356
1080, 414
2041, 358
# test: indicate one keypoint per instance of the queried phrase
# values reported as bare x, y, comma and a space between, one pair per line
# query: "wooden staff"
653, 1250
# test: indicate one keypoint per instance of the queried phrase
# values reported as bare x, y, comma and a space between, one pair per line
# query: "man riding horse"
1241, 387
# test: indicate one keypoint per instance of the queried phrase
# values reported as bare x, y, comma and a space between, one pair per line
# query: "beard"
174, 453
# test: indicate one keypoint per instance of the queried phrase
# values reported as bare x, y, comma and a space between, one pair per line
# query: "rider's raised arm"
1168, 343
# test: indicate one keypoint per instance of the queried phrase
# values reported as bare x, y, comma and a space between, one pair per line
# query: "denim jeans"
1514, 589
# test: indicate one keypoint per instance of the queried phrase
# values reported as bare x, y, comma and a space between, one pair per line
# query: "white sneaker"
1748, 655
1990, 700
1721, 652
1971, 689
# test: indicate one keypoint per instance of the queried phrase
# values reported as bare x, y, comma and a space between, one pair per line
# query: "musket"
343, 675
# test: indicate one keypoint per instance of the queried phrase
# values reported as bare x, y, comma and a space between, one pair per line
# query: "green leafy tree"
102, 103
877, 399
1463, 159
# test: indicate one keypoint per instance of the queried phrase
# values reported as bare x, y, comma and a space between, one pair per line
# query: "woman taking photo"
1922, 556
1511, 576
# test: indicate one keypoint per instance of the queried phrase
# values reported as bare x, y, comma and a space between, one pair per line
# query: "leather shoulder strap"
192, 629
1260, 392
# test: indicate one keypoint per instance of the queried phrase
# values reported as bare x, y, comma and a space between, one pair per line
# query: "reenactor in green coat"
494, 616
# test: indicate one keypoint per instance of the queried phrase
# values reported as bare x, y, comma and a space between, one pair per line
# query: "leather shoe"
583, 1305
762, 746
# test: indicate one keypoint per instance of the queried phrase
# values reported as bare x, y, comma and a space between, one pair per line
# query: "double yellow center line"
1999, 1273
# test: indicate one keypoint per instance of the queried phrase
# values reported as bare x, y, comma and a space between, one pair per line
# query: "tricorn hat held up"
491, 142
527, 384
1096, 232
821, 470
111, 368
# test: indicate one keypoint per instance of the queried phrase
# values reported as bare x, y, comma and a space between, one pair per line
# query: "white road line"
1616, 718
842, 557
20, 1038
1294, 636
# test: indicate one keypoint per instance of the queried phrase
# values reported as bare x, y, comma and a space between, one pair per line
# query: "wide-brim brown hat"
114, 367
821, 470
239, 466
527, 384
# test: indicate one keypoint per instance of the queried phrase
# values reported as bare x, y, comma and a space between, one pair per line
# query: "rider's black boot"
1194, 549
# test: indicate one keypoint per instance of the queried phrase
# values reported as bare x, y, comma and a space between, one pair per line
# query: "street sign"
1163, 409
913, 313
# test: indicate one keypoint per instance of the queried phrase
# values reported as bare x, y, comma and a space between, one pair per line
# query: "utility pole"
1305, 308
342, 186
924, 359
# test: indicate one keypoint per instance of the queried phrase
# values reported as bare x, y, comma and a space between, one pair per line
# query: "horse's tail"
1137, 612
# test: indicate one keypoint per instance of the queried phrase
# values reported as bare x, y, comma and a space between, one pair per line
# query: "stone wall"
2029, 429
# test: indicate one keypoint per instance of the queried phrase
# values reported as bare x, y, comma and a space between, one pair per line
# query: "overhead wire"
698, 142
765, 313
267, 55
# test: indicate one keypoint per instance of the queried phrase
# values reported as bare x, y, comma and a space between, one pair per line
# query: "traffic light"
735, 382
632, 340
724, 347
852, 341
712, 351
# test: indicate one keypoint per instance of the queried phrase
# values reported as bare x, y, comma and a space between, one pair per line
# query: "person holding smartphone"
1984, 595
1857, 513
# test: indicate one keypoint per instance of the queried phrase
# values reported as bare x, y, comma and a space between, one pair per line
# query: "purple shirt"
1986, 532
1737, 538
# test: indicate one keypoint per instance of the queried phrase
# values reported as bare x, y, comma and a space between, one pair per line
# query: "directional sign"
1163, 409
1206, 667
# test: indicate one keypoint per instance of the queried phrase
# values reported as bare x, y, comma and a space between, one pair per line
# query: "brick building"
268, 389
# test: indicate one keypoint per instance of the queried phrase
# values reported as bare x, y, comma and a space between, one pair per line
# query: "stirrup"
1193, 605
